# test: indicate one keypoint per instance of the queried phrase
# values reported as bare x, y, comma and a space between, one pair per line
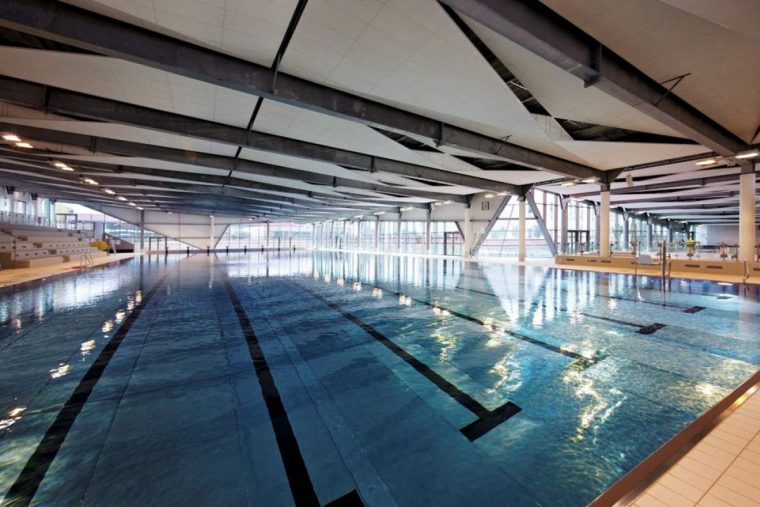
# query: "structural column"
521, 233
398, 232
626, 232
563, 228
428, 219
467, 232
650, 233
211, 232
747, 235
142, 231
358, 235
604, 222
377, 233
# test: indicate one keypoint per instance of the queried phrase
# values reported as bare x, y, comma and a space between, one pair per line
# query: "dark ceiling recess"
488, 164
13, 38
408, 142
581, 131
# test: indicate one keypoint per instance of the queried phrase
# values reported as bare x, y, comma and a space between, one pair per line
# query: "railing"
9, 217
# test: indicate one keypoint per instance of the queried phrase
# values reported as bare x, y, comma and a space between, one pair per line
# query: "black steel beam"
79, 105
61, 22
537, 28
541, 224
132, 149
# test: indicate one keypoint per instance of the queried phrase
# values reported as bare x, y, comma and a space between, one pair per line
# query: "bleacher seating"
23, 246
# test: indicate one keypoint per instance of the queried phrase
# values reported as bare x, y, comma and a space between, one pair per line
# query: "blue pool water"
306, 378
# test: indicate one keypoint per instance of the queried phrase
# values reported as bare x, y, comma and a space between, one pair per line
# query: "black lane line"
487, 419
300, 483
581, 362
351, 499
642, 329
24, 488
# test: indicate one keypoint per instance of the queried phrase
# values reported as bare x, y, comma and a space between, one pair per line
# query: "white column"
604, 223
564, 203
467, 232
211, 233
142, 231
747, 189
398, 232
428, 218
377, 233
358, 235
522, 228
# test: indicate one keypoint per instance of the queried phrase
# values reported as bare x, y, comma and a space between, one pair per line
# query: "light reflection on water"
573, 407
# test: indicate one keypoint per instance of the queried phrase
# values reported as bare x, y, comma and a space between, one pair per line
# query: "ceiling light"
448, 202
437, 203
108, 191
405, 208
131, 203
707, 161
748, 154
140, 208
358, 216
66, 168
489, 196
59, 165
378, 213
593, 179
568, 183
122, 198
90, 181
24, 145
12, 138
502, 193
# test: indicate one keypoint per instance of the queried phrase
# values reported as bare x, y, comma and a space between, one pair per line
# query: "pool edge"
632, 484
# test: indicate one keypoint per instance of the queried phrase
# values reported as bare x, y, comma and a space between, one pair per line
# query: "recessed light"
108, 191
748, 154
90, 181
489, 196
707, 161
24, 145
140, 208
132, 204
568, 183
590, 180
66, 168
124, 199
12, 138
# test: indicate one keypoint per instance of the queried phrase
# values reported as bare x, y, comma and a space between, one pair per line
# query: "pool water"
319, 378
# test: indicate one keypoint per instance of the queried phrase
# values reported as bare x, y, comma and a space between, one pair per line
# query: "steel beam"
541, 224
77, 27
132, 149
537, 28
491, 223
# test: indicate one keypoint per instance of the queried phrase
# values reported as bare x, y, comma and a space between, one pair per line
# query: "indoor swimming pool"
315, 378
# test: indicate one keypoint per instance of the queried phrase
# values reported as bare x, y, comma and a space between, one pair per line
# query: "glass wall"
283, 235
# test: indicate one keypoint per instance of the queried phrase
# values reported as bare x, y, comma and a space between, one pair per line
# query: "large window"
282, 235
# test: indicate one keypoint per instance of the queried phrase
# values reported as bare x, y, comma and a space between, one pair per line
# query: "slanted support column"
626, 231
467, 232
428, 224
747, 227
604, 221
563, 201
521, 234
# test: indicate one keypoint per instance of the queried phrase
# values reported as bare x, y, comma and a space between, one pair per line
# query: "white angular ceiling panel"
128, 82
606, 155
563, 94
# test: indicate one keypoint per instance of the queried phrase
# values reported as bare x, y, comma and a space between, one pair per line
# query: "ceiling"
164, 134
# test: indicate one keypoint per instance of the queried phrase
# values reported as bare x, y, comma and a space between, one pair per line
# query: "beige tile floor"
10, 277
723, 469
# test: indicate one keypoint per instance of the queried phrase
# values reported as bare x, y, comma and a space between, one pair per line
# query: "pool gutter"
632, 484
